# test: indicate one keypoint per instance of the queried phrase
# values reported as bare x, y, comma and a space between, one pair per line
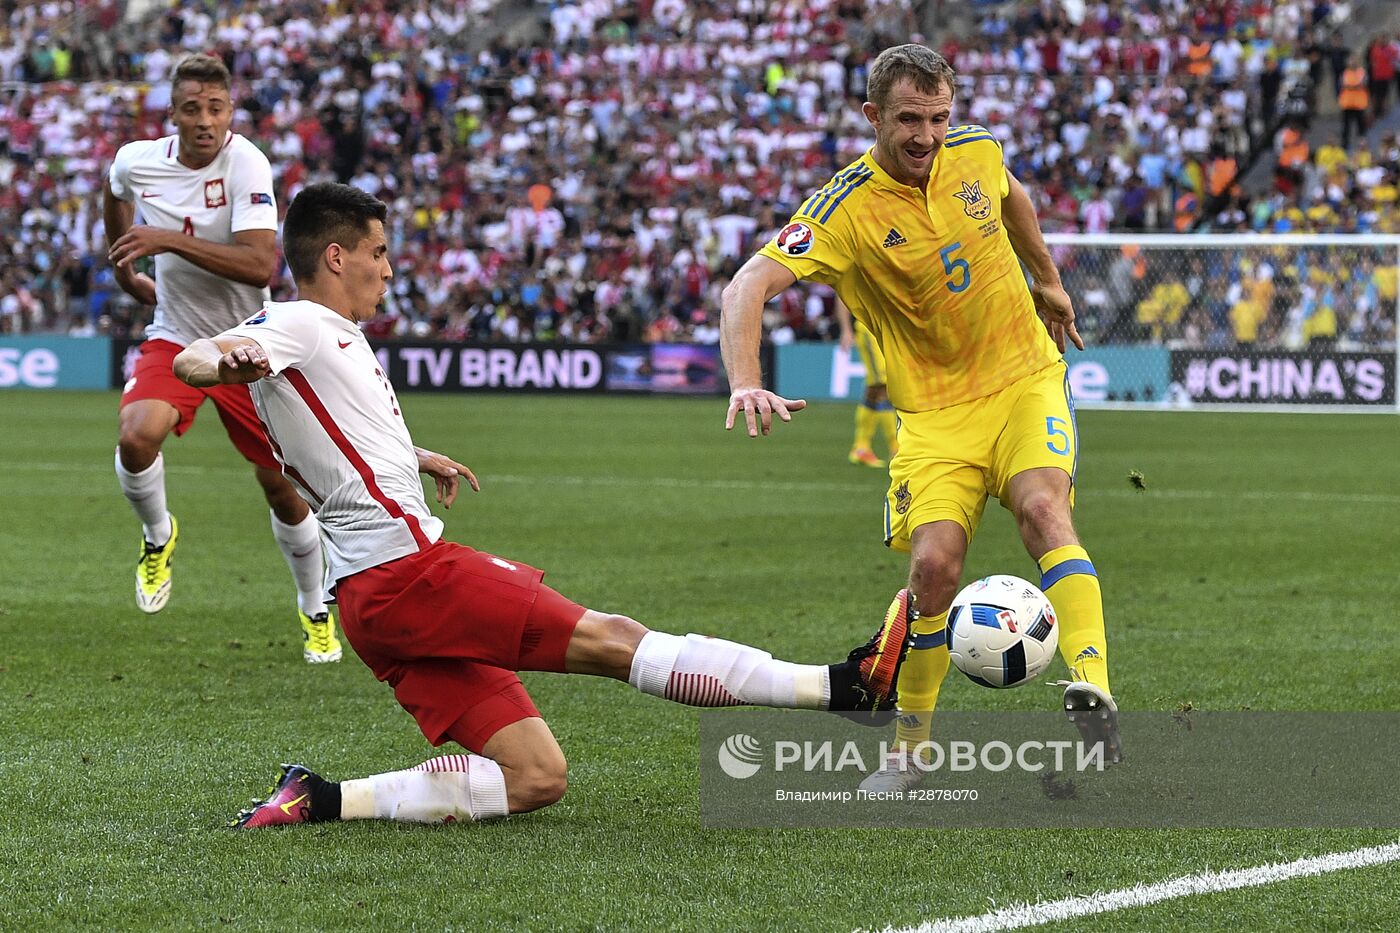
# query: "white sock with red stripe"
700, 671
440, 790
146, 493
301, 546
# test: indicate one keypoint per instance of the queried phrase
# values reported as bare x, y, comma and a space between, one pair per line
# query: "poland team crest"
794, 239
214, 193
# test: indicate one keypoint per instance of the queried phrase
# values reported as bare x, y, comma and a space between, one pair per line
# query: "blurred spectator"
1293, 154
1380, 62
1353, 100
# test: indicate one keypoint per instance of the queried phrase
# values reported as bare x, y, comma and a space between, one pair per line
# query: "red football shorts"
154, 378
448, 627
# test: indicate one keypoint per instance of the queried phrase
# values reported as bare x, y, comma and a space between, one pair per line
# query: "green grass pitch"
1257, 571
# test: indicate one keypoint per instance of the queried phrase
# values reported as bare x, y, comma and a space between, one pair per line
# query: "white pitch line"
670, 482
1211, 882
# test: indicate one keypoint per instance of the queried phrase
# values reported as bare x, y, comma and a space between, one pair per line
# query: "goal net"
1233, 320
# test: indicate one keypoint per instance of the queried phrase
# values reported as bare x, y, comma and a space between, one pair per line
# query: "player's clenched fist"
247, 363
758, 406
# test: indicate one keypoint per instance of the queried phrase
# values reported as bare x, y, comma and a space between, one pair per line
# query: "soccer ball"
1001, 631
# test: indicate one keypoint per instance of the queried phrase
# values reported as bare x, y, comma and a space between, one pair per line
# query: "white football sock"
442, 790
146, 493
301, 546
700, 671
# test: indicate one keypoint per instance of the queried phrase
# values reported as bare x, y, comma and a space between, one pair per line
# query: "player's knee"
622, 628
281, 496
1043, 511
603, 644
538, 786
934, 580
282, 499
139, 443
621, 637
618, 637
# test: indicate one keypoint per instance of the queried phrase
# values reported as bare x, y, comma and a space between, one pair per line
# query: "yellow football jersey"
933, 276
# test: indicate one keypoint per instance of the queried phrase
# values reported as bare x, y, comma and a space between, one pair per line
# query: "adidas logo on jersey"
895, 238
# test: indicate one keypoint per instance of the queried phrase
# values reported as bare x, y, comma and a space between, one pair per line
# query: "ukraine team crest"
902, 498
794, 239
975, 204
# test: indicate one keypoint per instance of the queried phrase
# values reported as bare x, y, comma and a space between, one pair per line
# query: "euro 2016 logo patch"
794, 239
975, 204
902, 498
214, 193
258, 318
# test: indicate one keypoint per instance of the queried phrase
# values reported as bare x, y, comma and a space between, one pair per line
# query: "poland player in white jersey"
340, 431
208, 218
211, 204
448, 626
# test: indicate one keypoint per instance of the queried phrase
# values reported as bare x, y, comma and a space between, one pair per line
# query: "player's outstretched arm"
221, 360
1051, 300
117, 219
741, 331
251, 258
447, 473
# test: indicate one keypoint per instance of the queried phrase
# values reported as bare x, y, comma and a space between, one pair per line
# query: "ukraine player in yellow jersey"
921, 238
874, 411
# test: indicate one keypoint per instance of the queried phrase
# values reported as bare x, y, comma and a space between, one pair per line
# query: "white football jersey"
231, 194
335, 425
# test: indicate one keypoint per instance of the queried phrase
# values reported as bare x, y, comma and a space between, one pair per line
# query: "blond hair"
929, 71
205, 69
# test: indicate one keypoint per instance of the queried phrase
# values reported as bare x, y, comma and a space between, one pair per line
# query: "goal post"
1300, 322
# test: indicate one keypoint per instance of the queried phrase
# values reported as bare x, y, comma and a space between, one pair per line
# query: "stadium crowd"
1255, 295
603, 180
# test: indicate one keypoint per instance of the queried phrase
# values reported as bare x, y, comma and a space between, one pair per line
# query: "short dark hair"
323, 214
929, 71
206, 69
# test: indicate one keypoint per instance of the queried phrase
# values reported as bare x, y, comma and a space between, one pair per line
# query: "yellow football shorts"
870, 355
951, 459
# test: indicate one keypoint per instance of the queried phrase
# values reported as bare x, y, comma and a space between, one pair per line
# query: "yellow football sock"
865, 427
885, 418
1069, 580
920, 678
